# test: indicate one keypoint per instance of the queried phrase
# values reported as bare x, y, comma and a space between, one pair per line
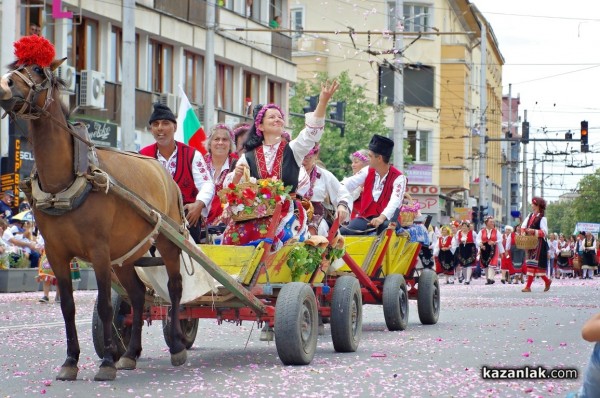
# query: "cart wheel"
296, 324
189, 328
428, 297
120, 332
395, 302
346, 314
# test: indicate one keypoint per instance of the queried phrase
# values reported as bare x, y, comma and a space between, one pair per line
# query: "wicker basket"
407, 218
244, 215
526, 242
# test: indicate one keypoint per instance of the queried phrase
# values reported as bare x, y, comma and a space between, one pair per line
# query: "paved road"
479, 325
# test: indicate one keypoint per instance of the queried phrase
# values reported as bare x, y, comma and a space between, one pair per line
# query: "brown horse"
104, 227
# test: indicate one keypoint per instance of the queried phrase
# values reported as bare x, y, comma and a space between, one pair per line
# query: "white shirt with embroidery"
399, 187
200, 173
300, 146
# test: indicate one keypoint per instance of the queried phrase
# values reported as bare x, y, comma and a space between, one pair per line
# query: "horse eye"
38, 70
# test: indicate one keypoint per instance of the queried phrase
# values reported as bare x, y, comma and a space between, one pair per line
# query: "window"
251, 91
35, 21
416, 17
418, 145
160, 67
275, 93
85, 44
418, 85
194, 77
297, 21
115, 70
224, 95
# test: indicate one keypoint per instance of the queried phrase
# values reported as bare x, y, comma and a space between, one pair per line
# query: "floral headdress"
241, 129
222, 126
315, 150
261, 115
360, 156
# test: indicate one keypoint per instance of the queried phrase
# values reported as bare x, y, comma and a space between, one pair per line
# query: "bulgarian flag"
189, 130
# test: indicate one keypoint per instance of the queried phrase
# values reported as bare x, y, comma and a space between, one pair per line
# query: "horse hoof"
179, 359
106, 373
126, 364
67, 373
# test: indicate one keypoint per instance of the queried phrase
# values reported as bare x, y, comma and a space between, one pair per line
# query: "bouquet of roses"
254, 198
409, 210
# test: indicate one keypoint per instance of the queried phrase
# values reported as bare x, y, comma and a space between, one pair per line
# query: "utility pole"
525, 175
542, 179
210, 68
533, 171
398, 133
483, 110
509, 157
128, 80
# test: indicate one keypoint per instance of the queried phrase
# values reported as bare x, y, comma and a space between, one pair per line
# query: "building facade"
441, 65
253, 63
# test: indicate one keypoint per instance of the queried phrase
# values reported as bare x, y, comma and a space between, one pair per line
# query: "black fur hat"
162, 112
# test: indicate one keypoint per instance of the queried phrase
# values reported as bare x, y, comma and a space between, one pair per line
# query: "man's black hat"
381, 145
162, 112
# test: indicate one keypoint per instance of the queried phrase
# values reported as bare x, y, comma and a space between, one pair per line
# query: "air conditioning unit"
67, 73
169, 100
91, 89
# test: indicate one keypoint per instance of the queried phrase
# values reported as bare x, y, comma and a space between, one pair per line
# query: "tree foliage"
563, 216
363, 119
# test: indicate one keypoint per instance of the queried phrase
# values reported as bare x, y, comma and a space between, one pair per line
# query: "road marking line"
43, 325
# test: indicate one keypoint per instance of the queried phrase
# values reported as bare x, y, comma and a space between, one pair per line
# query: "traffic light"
338, 113
568, 135
525, 133
584, 136
475, 215
313, 100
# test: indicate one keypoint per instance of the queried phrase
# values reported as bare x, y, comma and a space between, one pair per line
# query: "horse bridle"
34, 90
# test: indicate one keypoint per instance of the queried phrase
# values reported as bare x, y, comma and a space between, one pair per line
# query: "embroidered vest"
485, 238
183, 169
445, 241
368, 206
469, 238
285, 167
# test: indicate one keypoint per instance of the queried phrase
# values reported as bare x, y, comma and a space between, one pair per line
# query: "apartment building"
441, 63
253, 63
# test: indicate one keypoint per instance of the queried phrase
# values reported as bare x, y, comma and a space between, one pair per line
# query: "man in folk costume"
466, 251
384, 187
490, 246
588, 264
536, 225
184, 163
444, 255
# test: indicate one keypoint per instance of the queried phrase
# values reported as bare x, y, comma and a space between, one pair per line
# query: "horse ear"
56, 63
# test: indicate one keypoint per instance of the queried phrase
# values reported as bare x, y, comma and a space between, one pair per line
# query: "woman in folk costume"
465, 242
267, 156
536, 261
444, 255
220, 158
324, 186
360, 159
565, 253
508, 242
588, 264
490, 246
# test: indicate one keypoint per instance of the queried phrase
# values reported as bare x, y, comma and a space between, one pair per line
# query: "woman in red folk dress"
466, 251
220, 159
489, 241
269, 156
536, 259
444, 255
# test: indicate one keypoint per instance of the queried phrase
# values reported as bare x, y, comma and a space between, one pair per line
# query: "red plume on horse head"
34, 50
